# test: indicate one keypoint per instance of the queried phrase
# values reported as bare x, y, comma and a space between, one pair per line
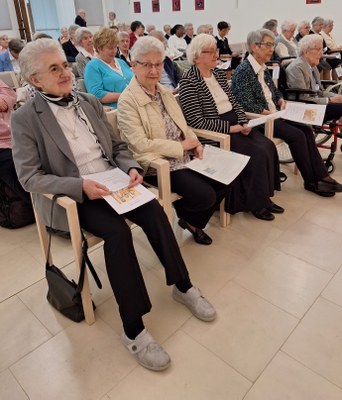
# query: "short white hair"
80, 32
258, 37
197, 44
29, 57
302, 24
327, 22
72, 28
288, 26
309, 42
146, 45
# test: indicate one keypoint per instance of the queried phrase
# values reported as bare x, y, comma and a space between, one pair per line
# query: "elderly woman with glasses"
106, 77
208, 103
152, 123
59, 137
254, 88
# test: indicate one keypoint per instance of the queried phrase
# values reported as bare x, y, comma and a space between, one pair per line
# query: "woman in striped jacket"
208, 103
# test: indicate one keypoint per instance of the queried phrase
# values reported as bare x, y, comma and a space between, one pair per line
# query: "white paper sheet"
312, 114
218, 164
261, 120
122, 199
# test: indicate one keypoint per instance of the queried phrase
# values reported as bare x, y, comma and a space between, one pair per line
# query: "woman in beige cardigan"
152, 123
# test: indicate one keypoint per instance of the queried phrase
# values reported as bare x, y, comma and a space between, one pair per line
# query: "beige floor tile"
312, 243
81, 363
18, 270
247, 332
165, 317
195, 373
286, 379
333, 291
316, 342
20, 332
284, 280
9, 387
327, 217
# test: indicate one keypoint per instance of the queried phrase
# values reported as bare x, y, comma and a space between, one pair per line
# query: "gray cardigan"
43, 158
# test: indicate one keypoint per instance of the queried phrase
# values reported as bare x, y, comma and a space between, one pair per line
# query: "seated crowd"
60, 132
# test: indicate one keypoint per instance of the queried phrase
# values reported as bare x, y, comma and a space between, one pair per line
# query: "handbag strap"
85, 259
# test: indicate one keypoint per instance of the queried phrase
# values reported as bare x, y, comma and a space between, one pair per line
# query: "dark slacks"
301, 142
200, 195
99, 218
255, 185
8, 174
333, 111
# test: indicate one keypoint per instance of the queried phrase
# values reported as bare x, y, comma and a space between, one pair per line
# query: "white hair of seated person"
146, 45
160, 36
197, 44
202, 29
309, 42
80, 32
287, 26
257, 37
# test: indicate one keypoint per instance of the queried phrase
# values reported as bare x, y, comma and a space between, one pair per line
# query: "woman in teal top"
106, 77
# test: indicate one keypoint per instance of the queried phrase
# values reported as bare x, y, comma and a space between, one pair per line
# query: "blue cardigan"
100, 79
5, 62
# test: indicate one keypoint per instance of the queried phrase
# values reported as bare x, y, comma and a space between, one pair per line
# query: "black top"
70, 51
80, 21
223, 46
188, 39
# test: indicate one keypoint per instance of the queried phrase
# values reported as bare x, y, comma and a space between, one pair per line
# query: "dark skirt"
252, 189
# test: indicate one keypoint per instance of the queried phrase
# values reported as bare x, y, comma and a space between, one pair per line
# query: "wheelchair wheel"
322, 135
284, 154
331, 167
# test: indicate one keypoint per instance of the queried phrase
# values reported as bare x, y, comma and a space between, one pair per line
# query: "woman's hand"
190, 143
3, 105
335, 99
136, 178
246, 129
94, 190
198, 152
282, 104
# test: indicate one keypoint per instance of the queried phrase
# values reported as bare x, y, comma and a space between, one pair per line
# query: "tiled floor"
277, 288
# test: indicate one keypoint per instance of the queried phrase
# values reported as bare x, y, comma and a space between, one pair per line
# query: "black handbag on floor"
63, 294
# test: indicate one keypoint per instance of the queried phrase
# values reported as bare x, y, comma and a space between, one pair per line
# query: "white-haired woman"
69, 47
60, 136
84, 40
253, 86
286, 46
64, 37
4, 40
152, 123
303, 30
303, 74
123, 51
208, 103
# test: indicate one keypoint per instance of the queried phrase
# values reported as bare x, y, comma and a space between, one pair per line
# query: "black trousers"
8, 174
252, 189
99, 218
200, 195
333, 111
301, 142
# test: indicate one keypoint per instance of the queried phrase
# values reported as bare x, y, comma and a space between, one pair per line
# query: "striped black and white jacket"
198, 104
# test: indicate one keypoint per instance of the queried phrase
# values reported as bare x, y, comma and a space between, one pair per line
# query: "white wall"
14, 32
247, 16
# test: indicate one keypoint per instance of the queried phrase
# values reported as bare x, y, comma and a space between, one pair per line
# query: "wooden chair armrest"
269, 125
222, 138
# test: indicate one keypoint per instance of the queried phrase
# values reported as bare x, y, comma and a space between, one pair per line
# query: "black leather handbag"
63, 294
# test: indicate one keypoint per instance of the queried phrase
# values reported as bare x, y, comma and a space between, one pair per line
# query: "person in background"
208, 103
123, 51
255, 90
333, 47
105, 76
137, 31
271, 25
152, 123
56, 166
64, 37
223, 47
169, 76
210, 29
150, 28
189, 32
176, 43
112, 21
286, 46
9, 58
80, 18
303, 30
202, 29
7, 170
69, 47
3, 43
85, 45
167, 30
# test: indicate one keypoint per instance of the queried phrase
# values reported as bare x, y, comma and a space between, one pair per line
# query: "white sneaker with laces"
196, 303
147, 351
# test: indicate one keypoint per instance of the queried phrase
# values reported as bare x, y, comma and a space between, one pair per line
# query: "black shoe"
326, 186
199, 235
312, 188
275, 209
57, 232
263, 214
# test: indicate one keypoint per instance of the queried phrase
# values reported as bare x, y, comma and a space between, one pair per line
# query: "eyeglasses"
269, 45
209, 51
148, 65
56, 70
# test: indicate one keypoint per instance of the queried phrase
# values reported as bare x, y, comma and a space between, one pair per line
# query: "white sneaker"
196, 303
147, 351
